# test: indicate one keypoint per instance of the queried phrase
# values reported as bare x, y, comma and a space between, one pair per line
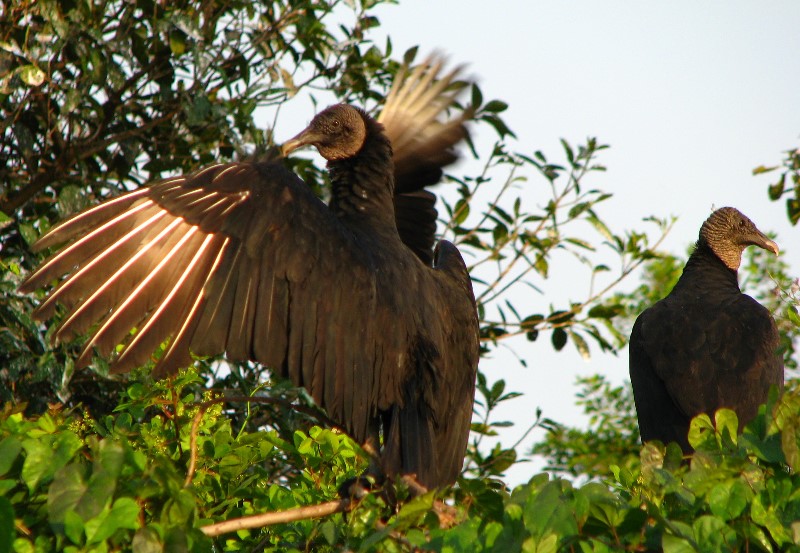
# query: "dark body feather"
242, 258
706, 345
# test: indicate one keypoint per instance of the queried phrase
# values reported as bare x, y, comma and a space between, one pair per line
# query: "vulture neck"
705, 267
363, 185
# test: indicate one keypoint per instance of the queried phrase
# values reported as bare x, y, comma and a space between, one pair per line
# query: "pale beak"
771, 246
305, 138
760, 239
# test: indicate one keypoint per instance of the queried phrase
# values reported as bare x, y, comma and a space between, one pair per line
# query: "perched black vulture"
242, 258
706, 345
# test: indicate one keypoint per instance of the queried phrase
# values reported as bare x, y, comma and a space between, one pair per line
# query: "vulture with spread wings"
349, 300
706, 345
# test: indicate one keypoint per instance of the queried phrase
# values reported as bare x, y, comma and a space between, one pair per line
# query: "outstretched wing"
422, 144
239, 258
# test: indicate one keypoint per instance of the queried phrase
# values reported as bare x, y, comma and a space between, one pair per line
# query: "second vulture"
348, 300
706, 345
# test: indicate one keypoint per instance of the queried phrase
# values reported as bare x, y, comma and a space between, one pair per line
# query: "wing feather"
108, 292
89, 219
148, 294
210, 337
422, 142
177, 300
226, 259
240, 323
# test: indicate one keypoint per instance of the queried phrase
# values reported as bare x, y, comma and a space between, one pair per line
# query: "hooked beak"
771, 246
305, 138
760, 239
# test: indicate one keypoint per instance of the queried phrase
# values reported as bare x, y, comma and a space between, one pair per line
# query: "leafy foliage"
787, 184
73, 483
612, 437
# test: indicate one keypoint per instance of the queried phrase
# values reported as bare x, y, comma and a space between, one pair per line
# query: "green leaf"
70, 200
198, 111
793, 210
416, 507
47, 454
66, 491
177, 42
28, 233
73, 526
601, 227
495, 106
712, 534
146, 540
546, 544
765, 516
606, 311
546, 512
702, 433
790, 439
763, 169
791, 312
727, 424
559, 338
10, 448
775, 191
6, 524
31, 75
123, 515
476, 95
460, 212
581, 345
728, 500
579, 208
329, 531
674, 544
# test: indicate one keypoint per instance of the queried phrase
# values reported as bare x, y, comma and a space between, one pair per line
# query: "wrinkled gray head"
338, 132
728, 232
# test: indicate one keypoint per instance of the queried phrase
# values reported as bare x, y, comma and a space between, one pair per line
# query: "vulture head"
728, 232
338, 132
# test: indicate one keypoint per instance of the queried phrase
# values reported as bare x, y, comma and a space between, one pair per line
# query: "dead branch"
278, 517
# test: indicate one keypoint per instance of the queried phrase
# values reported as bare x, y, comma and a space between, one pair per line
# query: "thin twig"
277, 517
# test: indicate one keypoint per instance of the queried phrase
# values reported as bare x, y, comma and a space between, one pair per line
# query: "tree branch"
278, 517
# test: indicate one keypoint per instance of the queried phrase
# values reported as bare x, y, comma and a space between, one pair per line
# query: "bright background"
691, 96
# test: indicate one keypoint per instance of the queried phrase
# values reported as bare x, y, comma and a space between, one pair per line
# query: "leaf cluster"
72, 483
611, 438
787, 183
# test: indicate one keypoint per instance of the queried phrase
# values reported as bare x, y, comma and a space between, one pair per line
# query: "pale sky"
691, 96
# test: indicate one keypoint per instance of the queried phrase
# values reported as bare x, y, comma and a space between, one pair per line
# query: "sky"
691, 96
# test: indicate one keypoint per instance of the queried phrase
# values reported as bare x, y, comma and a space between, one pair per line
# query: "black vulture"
706, 345
348, 300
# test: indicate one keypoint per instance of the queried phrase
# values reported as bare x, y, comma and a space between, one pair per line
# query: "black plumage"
348, 299
706, 345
